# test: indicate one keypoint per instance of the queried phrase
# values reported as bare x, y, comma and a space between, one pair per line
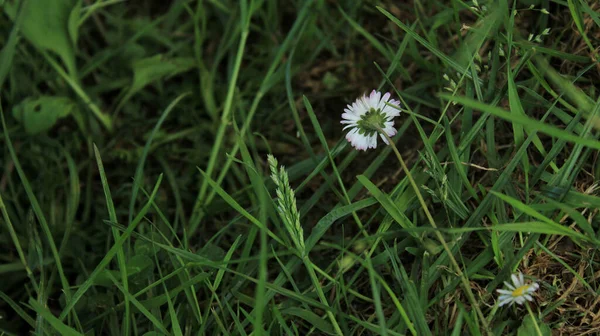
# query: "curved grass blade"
524, 120
57, 324
36, 209
157, 323
111, 253
112, 215
139, 171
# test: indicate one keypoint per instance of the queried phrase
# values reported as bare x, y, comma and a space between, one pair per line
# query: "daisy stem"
534, 319
465, 281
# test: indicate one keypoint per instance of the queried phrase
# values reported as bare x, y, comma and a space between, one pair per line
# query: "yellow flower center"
520, 291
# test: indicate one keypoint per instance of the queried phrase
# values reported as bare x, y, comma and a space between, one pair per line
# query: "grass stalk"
439, 236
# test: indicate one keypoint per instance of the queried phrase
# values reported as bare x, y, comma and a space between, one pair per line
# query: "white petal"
385, 140
359, 108
394, 102
363, 102
373, 141
528, 297
390, 131
390, 111
504, 291
375, 98
521, 278
351, 112
350, 116
392, 107
516, 281
531, 289
351, 134
509, 286
357, 140
503, 302
505, 297
365, 142
384, 100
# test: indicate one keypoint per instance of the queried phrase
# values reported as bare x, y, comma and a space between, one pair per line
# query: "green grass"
178, 168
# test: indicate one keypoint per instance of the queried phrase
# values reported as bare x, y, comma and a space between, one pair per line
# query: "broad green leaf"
146, 247
151, 69
528, 328
138, 264
8, 51
39, 115
73, 24
212, 251
103, 278
148, 70
46, 24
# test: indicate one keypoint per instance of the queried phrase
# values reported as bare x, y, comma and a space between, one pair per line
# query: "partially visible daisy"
518, 291
366, 116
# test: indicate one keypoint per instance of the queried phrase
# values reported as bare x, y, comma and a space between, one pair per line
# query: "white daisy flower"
366, 116
518, 291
